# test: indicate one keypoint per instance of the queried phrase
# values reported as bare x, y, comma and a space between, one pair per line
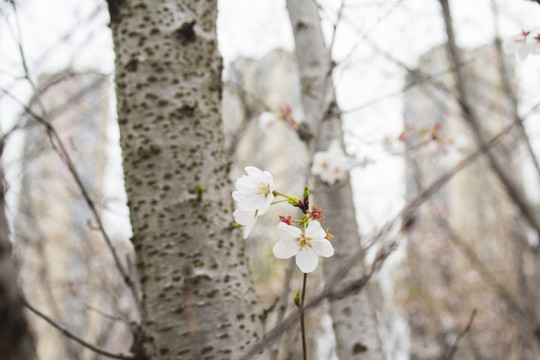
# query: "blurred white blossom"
267, 120
331, 165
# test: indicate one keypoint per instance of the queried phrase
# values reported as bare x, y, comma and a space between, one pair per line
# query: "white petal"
322, 247
285, 249
307, 260
246, 184
267, 202
288, 232
249, 227
253, 171
266, 120
315, 230
534, 48
523, 51
249, 202
243, 217
269, 180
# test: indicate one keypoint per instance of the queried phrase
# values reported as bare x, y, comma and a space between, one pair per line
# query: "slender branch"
460, 336
507, 87
74, 337
483, 270
330, 292
470, 115
60, 148
283, 302
302, 317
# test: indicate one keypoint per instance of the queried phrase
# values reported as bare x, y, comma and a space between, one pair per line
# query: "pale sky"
404, 28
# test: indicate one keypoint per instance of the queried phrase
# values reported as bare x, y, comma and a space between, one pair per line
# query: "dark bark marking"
358, 348
185, 32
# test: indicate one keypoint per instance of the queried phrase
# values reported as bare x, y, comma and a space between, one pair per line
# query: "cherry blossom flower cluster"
304, 238
434, 142
268, 119
430, 137
524, 44
331, 165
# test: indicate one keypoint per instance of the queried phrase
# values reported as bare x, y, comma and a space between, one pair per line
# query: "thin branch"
335, 25
59, 147
302, 319
460, 336
507, 87
72, 336
483, 270
283, 302
470, 115
330, 292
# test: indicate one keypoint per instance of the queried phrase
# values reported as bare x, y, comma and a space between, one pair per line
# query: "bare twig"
483, 270
302, 318
460, 336
507, 87
60, 148
284, 300
72, 336
470, 115
330, 291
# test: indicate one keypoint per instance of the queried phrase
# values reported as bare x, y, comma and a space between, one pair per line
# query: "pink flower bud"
287, 220
287, 110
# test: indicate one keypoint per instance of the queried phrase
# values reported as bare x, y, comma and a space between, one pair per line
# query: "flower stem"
302, 324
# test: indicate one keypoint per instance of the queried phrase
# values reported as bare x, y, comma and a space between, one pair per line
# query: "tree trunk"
354, 319
197, 293
15, 338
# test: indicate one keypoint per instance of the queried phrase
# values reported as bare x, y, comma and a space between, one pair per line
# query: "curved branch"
59, 147
470, 115
72, 336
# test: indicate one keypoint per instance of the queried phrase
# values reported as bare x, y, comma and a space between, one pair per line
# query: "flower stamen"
263, 188
303, 241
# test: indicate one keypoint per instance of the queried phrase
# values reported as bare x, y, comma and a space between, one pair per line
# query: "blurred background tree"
406, 88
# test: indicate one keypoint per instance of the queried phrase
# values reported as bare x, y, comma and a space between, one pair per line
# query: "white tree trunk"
354, 318
197, 293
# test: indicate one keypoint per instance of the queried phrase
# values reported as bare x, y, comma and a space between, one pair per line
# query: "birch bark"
354, 319
197, 295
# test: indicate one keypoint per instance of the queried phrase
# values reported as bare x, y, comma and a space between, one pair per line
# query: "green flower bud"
297, 298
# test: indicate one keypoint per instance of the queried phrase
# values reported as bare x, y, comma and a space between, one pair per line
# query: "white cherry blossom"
266, 120
331, 165
307, 246
246, 218
254, 194
534, 46
517, 43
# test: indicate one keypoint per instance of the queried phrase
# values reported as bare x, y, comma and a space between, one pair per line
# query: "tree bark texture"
16, 341
198, 300
354, 319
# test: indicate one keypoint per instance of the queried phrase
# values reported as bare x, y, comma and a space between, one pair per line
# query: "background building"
61, 251
467, 250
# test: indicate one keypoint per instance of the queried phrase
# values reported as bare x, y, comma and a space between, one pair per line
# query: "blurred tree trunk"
15, 338
195, 283
353, 317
